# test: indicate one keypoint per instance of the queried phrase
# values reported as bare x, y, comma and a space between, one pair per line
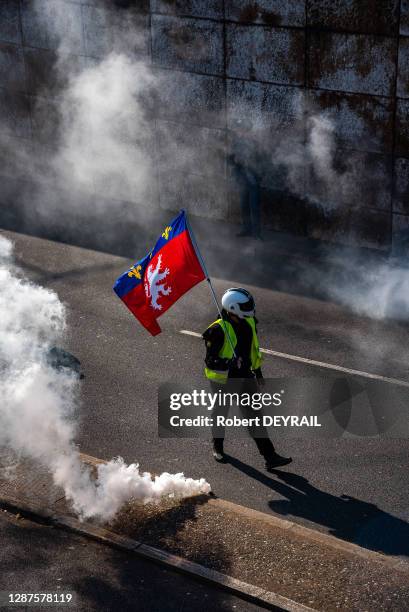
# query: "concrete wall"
220, 58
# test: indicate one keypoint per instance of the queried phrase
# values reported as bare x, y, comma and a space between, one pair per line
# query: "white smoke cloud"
103, 145
92, 149
97, 140
97, 132
105, 139
307, 152
377, 290
100, 137
38, 402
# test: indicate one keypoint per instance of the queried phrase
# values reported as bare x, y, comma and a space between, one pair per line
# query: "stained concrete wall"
220, 60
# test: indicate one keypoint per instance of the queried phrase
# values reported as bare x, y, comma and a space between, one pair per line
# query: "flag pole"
202, 263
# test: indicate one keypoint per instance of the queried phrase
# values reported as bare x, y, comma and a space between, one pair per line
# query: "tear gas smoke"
97, 119
38, 402
308, 155
377, 290
103, 138
92, 150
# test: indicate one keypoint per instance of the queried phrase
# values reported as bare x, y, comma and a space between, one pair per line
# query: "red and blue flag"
152, 285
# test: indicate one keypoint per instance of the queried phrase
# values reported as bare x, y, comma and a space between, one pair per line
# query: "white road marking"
320, 364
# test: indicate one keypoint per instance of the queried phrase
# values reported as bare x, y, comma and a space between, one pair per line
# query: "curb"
396, 563
243, 590
331, 541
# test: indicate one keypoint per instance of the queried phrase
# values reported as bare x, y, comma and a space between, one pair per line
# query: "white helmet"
240, 302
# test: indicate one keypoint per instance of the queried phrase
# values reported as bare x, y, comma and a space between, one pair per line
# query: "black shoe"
218, 456
218, 453
244, 234
276, 461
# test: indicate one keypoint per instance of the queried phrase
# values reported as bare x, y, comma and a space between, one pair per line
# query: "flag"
152, 285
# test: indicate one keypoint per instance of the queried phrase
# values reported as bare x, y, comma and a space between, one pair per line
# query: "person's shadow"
346, 517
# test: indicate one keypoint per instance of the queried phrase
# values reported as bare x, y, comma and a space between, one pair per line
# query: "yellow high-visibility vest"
226, 352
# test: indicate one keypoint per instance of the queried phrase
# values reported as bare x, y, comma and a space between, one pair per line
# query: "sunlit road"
355, 489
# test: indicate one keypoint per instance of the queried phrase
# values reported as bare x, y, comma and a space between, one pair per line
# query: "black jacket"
214, 338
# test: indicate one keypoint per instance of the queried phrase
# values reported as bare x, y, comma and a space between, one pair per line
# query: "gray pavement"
354, 489
36, 558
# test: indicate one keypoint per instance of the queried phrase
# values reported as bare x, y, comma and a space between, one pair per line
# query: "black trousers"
258, 434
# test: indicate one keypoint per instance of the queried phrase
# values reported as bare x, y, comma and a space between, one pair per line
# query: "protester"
233, 352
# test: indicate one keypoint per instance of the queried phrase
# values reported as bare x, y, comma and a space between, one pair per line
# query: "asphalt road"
35, 558
355, 489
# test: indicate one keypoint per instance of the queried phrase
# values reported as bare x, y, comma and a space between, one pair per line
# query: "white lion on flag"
153, 288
